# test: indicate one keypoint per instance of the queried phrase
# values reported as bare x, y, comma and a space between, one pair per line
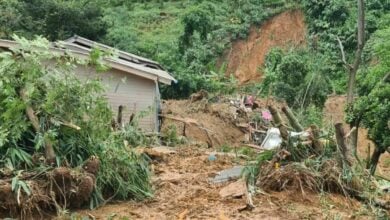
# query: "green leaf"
14, 183
25, 187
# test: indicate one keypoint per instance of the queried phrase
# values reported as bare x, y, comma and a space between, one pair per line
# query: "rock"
234, 190
157, 153
228, 174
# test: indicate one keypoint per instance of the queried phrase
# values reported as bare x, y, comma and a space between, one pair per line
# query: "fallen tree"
324, 162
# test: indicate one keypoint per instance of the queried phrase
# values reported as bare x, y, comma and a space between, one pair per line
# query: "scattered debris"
183, 215
272, 140
234, 190
212, 157
157, 153
227, 175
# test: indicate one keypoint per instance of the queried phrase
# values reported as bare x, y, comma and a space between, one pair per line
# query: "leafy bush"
372, 108
72, 115
187, 37
45, 18
296, 77
312, 115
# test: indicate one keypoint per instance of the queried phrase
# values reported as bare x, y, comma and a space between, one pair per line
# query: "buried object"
227, 175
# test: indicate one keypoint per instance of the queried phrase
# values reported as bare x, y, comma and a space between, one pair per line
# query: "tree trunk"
49, 150
375, 159
354, 68
292, 119
316, 143
279, 123
353, 139
345, 149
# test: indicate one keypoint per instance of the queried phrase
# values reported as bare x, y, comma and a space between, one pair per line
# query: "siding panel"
134, 93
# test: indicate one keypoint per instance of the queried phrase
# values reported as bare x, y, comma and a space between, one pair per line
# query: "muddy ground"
183, 191
334, 112
246, 57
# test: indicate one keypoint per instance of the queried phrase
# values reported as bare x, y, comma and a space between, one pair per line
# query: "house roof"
127, 62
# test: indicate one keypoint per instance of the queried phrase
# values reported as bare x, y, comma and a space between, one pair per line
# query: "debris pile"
218, 121
61, 187
303, 159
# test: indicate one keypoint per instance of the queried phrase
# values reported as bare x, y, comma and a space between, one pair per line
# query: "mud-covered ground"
182, 191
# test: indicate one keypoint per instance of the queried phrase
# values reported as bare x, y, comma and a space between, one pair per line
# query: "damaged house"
132, 82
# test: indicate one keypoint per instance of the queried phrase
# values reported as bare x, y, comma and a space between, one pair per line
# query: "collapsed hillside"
246, 57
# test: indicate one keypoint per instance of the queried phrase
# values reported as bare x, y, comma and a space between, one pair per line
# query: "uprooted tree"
57, 148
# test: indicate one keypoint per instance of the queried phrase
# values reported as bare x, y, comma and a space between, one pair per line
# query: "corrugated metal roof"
126, 62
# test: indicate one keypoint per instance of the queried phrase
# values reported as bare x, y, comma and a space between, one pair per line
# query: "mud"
212, 129
182, 191
334, 112
245, 58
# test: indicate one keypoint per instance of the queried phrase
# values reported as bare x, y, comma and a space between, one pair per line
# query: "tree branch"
342, 52
49, 150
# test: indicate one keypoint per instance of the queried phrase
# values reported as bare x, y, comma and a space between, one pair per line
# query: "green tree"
54, 19
372, 108
298, 76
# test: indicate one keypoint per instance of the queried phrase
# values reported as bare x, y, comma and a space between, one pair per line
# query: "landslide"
245, 58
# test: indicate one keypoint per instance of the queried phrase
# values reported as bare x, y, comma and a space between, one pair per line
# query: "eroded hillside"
245, 58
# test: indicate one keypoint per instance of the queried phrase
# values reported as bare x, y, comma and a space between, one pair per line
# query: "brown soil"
245, 59
214, 127
213, 124
334, 112
182, 191
61, 187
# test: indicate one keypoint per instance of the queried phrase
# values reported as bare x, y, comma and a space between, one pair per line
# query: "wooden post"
119, 116
292, 119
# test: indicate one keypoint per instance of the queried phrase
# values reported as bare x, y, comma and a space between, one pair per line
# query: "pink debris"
266, 115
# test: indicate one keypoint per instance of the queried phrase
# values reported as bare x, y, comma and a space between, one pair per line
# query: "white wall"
133, 92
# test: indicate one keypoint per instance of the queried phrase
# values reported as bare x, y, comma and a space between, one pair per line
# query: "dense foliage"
78, 126
298, 76
372, 107
54, 19
187, 37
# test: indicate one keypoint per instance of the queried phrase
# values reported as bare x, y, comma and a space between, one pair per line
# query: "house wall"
133, 92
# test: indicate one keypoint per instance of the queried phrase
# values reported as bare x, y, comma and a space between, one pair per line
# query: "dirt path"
182, 191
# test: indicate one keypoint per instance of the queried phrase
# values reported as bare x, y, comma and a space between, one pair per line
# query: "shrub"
72, 115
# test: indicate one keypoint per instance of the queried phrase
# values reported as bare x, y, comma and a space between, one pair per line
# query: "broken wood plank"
185, 120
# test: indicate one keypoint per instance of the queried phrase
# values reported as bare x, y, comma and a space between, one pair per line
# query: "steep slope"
246, 57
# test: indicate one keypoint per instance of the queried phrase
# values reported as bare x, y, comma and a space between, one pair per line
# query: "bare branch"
342, 51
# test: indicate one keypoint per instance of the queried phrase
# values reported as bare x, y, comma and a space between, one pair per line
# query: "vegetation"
38, 133
372, 106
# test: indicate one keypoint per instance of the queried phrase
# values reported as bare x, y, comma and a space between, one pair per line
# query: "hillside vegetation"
238, 64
